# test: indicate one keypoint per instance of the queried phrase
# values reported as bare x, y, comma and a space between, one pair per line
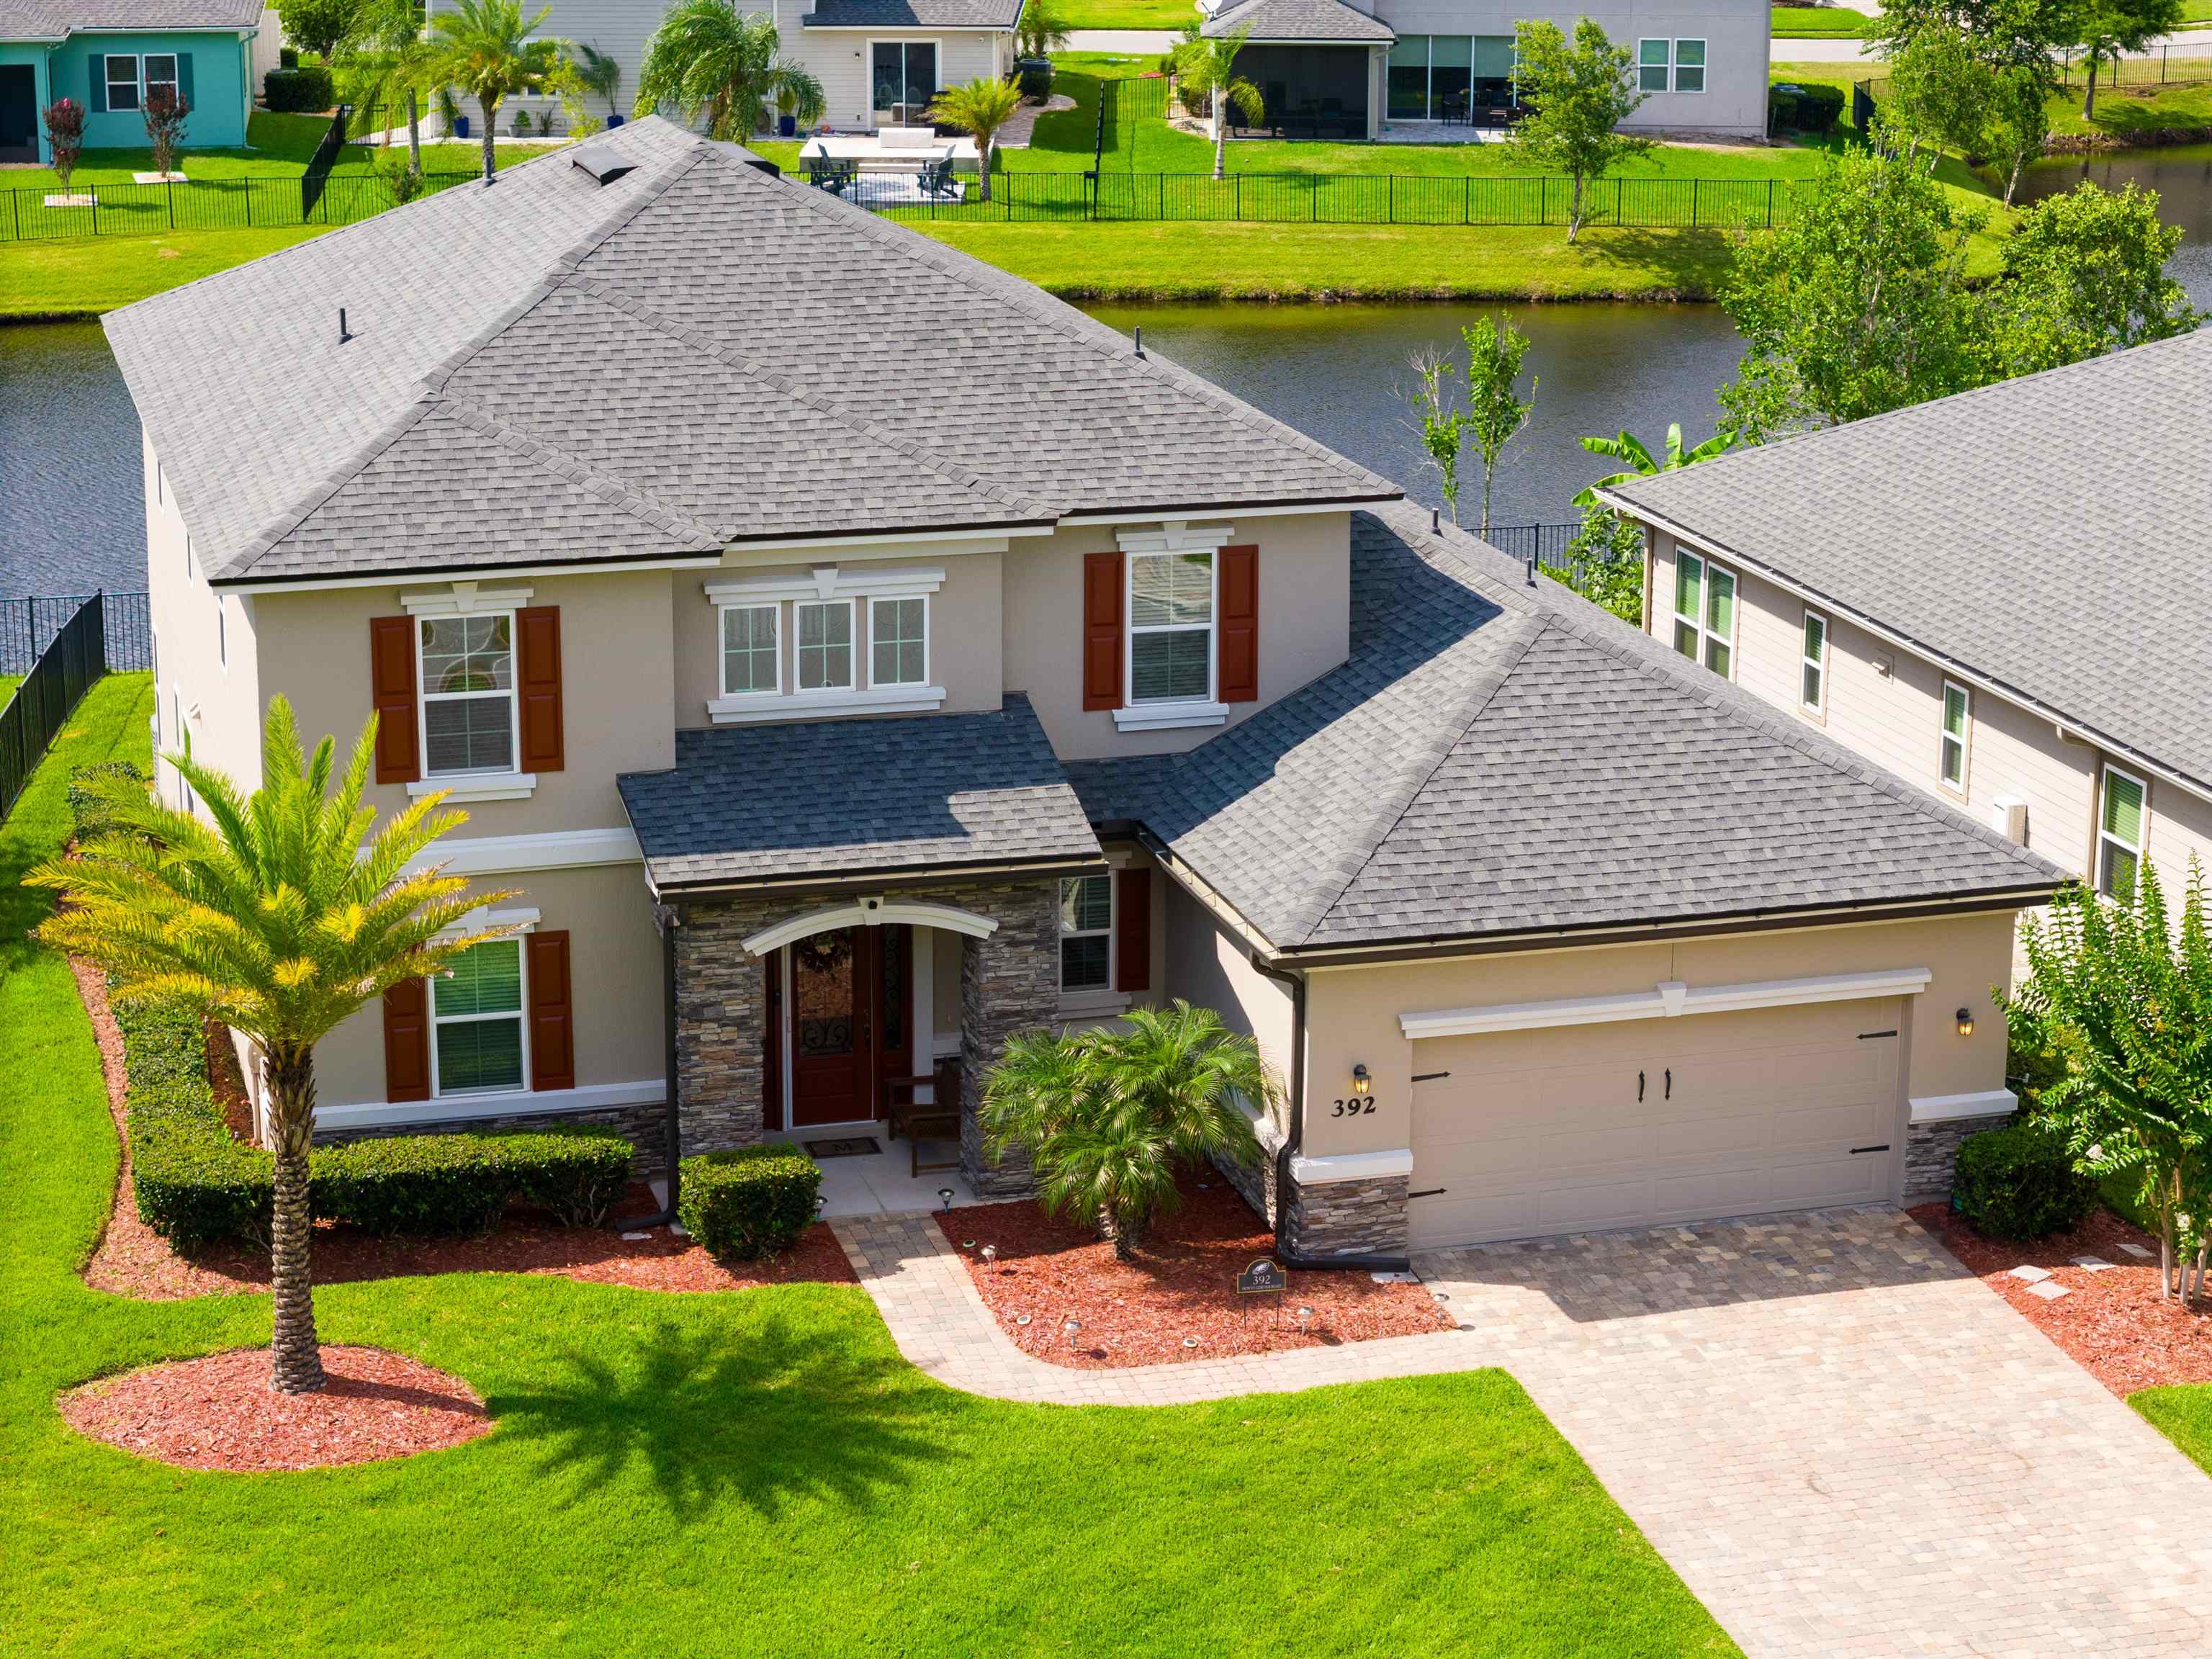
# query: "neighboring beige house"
840, 676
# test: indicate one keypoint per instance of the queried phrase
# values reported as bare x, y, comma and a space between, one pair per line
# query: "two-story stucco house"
848, 655
1996, 595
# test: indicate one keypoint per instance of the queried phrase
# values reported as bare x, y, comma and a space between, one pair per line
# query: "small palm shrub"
748, 1202
88, 814
2020, 1183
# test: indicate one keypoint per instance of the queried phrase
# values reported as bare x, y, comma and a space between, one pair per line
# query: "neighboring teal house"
106, 54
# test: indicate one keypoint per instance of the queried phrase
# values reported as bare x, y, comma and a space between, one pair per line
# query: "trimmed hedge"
196, 1183
308, 90
2020, 1183
749, 1202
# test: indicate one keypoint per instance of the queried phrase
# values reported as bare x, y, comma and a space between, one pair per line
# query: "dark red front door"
851, 994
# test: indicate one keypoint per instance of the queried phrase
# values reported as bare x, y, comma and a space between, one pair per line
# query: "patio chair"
830, 172
936, 1120
935, 181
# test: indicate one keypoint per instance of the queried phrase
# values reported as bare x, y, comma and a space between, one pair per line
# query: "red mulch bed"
1182, 1284
2113, 1322
219, 1412
135, 1261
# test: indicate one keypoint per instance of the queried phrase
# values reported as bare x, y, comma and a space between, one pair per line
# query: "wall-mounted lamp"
1361, 1083
1966, 1021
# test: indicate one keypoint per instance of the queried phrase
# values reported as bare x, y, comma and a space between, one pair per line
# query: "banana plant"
1641, 465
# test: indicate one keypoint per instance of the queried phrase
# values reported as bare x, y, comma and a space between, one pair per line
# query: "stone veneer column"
1931, 1153
721, 1012
1366, 1217
1009, 982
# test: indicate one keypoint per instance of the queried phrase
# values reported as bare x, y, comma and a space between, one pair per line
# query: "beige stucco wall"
616, 708
614, 966
1352, 1013
1208, 968
211, 673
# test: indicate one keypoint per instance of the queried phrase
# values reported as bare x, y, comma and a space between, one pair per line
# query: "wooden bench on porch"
935, 1118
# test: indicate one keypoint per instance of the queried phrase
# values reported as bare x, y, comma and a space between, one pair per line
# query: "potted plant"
786, 124
449, 112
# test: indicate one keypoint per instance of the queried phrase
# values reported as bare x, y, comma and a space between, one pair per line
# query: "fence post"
95, 209
169, 194
1695, 222
1466, 200
1770, 203
16, 196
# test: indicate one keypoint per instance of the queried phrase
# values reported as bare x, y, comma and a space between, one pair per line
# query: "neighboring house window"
751, 661
1170, 627
1704, 613
2119, 834
898, 642
1689, 66
123, 81
222, 634
1670, 65
476, 1015
160, 71
1086, 934
825, 645
1957, 707
468, 693
1813, 681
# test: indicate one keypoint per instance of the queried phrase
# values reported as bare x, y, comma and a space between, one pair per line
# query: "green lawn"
2183, 1413
756, 1472
1819, 22
1129, 14
78, 278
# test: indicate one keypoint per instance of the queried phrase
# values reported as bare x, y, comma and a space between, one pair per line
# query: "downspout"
671, 1121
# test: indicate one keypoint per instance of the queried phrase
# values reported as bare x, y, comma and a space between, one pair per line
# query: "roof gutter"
912, 875
2069, 729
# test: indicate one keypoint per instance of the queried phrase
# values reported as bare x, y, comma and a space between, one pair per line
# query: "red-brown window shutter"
1101, 630
391, 692
552, 1024
407, 1040
1240, 624
1132, 930
537, 681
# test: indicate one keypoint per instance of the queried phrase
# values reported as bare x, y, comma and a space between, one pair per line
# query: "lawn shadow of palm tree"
759, 1416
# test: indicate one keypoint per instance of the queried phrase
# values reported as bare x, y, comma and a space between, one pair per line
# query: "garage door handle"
1884, 1147
1669, 1095
1426, 1192
1639, 1088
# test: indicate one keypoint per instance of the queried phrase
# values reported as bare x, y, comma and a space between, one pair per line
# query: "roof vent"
602, 163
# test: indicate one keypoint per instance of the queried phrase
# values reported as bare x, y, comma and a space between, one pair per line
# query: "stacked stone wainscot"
1931, 1153
1362, 1217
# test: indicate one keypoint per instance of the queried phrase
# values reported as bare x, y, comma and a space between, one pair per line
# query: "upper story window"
752, 664
476, 1016
1170, 627
123, 81
2119, 833
1670, 65
1705, 612
1812, 676
1958, 711
898, 642
825, 632
858, 642
1086, 934
468, 693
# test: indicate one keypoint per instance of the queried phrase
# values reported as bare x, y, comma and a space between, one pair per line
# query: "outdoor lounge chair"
935, 180
830, 173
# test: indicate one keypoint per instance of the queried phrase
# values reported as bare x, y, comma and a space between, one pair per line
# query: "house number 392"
1356, 1106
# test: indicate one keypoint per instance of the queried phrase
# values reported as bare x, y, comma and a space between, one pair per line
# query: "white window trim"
1676, 66
875, 599
2141, 849
749, 710
852, 683
1706, 634
147, 83
1819, 665
1070, 994
1203, 707
722, 612
509, 783
1965, 740
520, 1016
1672, 999
137, 83
463, 1108
827, 581
1665, 68
464, 599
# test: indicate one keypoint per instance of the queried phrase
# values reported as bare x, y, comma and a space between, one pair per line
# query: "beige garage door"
1653, 1120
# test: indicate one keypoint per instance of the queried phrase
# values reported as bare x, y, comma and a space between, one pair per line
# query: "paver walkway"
1841, 1440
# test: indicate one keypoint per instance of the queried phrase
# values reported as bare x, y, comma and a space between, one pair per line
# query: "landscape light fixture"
945, 1196
990, 1254
1361, 1083
1966, 1021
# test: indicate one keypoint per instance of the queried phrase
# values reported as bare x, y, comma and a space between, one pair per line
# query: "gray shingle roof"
912, 15
2048, 533
1300, 20
879, 796
701, 351
52, 20
1498, 760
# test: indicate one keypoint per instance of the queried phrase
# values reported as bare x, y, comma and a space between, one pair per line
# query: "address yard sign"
1262, 1278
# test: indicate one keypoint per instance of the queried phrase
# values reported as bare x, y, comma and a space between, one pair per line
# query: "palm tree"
596, 72
489, 49
1044, 29
980, 107
709, 57
384, 53
280, 920
1207, 69
1641, 465
1107, 1116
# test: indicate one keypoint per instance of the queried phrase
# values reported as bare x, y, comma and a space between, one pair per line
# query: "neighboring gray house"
1433, 69
826, 725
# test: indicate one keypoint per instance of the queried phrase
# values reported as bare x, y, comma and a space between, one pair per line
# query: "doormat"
858, 1146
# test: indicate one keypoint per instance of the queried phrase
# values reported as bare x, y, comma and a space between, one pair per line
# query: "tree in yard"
1206, 68
1855, 306
2085, 273
2004, 33
165, 114
1107, 1117
279, 919
1444, 423
2126, 1002
2017, 126
1043, 29
384, 56
1578, 96
64, 123
489, 50
979, 108
1940, 90
1605, 563
1641, 464
318, 26
1495, 411
2106, 29
707, 58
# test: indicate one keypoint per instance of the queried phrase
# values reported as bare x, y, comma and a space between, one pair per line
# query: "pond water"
72, 510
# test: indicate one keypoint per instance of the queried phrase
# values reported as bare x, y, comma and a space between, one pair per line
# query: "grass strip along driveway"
753, 1472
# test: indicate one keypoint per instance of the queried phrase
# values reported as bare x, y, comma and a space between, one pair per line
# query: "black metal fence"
2161, 66
319, 164
28, 626
87, 210
1544, 543
1335, 198
72, 660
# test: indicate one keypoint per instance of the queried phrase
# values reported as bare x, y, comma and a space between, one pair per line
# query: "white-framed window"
222, 634
121, 73
160, 71
752, 664
1171, 642
898, 640
1958, 715
2120, 821
823, 628
466, 665
1813, 672
1705, 612
1086, 934
1670, 65
477, 1038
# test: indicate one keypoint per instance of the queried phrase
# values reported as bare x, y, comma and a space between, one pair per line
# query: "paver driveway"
1846, 1444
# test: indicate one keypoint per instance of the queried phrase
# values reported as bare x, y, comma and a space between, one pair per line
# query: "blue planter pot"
614, 120
460, 126
787, 126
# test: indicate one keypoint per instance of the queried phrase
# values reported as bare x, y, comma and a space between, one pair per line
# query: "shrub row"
308, 90
1815, 108
196, 1183
2019, 1182
750, 1202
